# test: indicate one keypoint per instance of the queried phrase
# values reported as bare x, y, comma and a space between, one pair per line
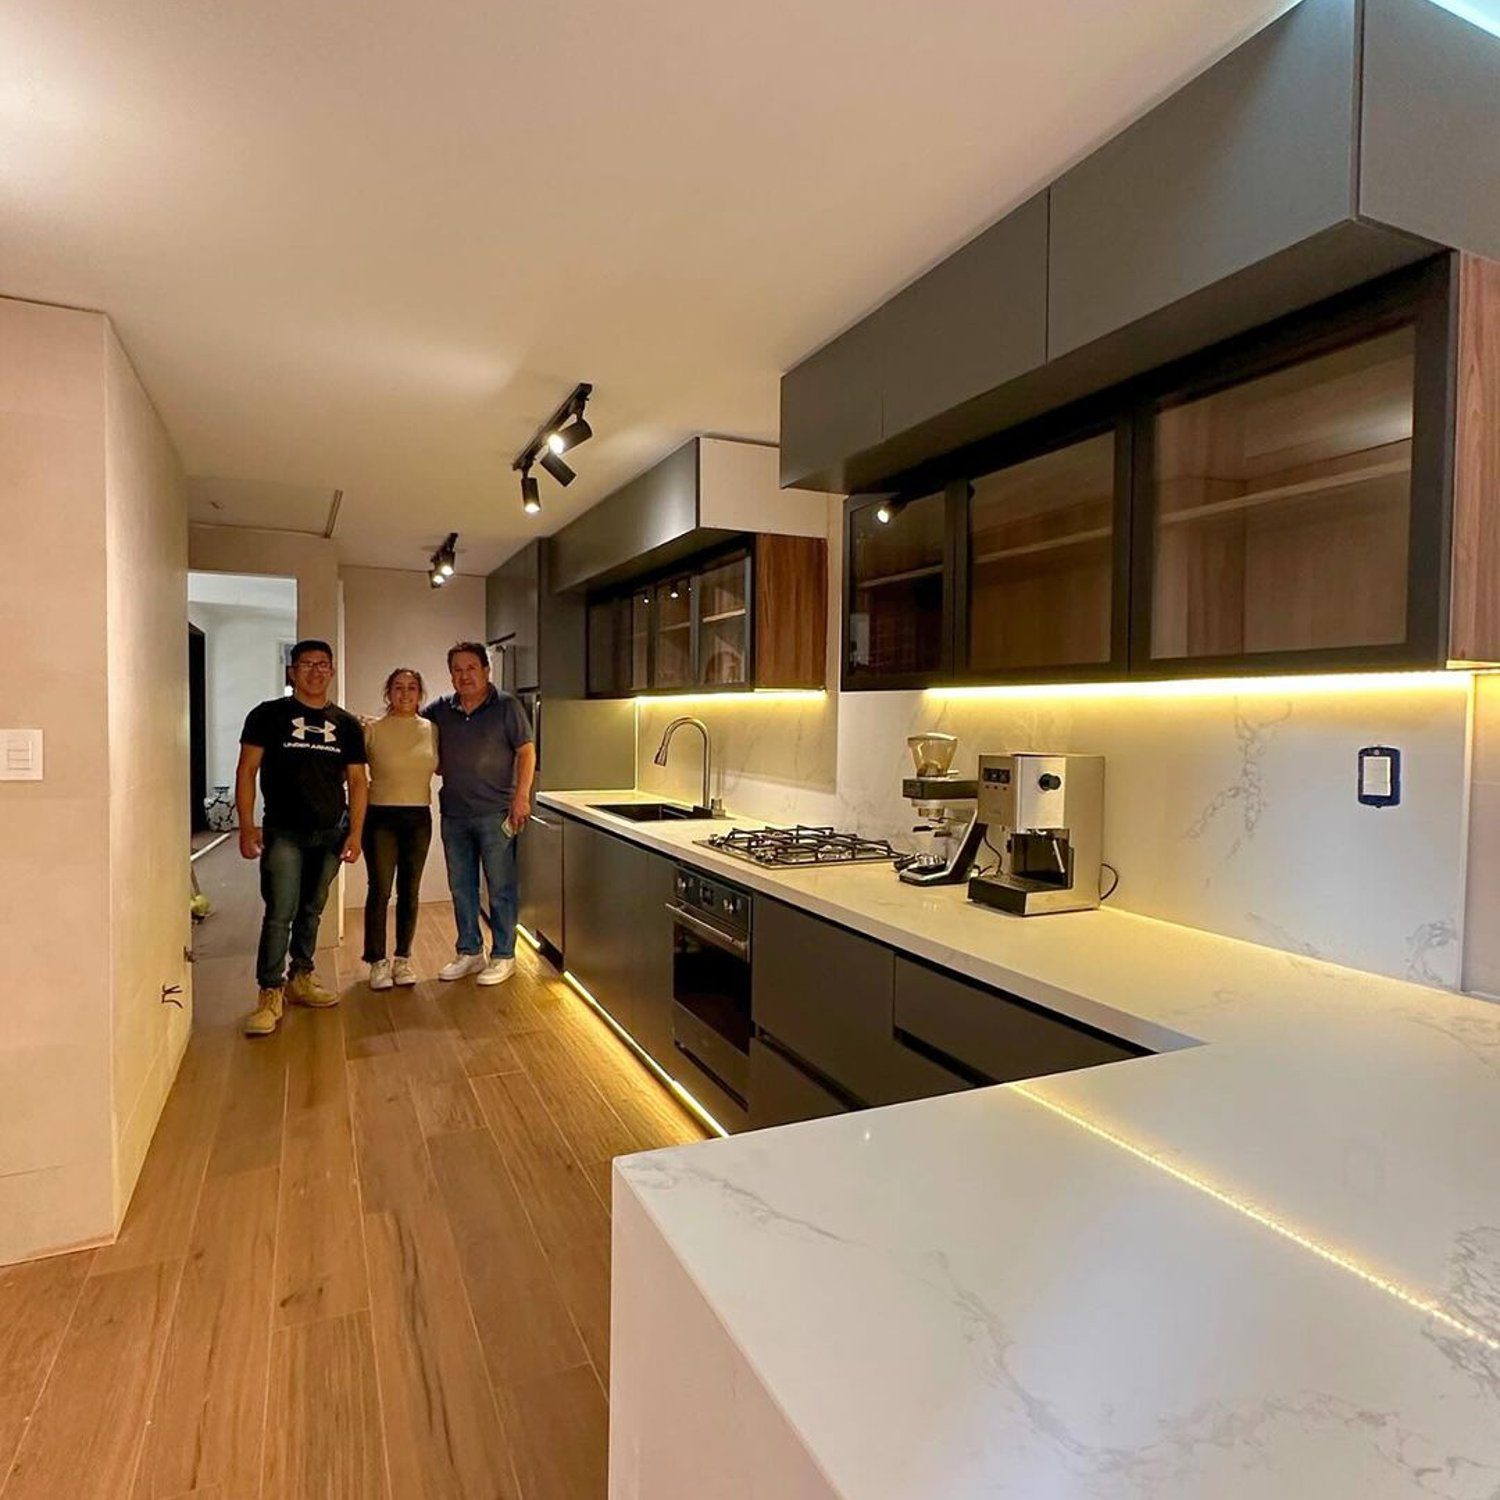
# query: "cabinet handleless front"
1249, 159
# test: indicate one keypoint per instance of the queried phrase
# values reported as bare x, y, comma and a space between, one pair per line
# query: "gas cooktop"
799, 845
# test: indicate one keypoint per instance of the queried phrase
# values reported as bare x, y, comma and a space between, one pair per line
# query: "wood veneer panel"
85, 1436
791, 611
560, 1427
523, 1324
36, 1301
1474, 628
207, 1417
323, 1427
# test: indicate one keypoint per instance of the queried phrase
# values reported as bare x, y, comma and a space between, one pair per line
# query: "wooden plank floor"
368, 1257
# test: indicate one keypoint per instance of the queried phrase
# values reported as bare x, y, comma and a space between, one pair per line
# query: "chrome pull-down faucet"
713, 804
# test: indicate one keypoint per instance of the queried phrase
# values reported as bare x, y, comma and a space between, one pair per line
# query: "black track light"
442, 562
577, 431
556, 467
564, 430
888, 510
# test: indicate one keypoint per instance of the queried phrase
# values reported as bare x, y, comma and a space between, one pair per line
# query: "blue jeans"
469, 845
296, 870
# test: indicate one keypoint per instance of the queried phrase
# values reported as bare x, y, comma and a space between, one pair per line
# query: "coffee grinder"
1045, 814
945, 801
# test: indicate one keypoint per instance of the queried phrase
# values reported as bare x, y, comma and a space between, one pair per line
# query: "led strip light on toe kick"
1267, 1221
680, 1093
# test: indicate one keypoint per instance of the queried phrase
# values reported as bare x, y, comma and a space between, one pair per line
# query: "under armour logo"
301, 729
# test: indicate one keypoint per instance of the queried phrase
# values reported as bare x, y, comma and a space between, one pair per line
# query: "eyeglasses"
325, 667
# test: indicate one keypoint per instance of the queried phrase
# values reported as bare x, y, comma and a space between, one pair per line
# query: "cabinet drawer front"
998, 1038
781, 1093
825, 994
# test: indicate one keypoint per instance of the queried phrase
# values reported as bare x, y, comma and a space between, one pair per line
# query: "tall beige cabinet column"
93, 873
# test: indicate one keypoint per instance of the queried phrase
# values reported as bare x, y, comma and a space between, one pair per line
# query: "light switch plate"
20, 754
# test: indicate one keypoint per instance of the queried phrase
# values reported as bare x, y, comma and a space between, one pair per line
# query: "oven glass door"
711, 1010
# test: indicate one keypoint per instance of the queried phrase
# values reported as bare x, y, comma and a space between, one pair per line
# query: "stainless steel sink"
652, 812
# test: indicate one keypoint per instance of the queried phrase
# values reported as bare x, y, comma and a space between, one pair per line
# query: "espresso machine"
945, 801
1045, 816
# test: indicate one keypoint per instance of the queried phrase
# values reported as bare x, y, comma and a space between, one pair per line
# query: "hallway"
368, 1256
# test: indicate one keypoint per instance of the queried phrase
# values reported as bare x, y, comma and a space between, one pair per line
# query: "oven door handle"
740, 947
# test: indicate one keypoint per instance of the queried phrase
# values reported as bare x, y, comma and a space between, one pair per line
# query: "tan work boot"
266, 1016
303, 989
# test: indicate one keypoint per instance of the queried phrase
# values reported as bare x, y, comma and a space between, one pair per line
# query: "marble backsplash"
1231, 810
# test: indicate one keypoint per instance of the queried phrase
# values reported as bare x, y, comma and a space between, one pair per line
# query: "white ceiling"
367, 245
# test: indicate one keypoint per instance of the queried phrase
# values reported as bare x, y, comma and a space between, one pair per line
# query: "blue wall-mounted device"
1379, 776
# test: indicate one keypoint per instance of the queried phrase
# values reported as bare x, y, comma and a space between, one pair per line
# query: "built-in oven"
711, 978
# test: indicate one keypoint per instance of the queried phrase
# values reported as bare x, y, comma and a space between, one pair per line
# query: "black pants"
395, 841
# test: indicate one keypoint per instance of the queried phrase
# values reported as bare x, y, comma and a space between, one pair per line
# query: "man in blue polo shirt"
487, 760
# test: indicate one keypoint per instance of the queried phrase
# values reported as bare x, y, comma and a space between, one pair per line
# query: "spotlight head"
436, 579
570, 436
556, 467
888, 510
531, 495
445, 568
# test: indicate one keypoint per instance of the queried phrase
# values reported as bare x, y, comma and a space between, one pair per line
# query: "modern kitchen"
1039, 820
985, 981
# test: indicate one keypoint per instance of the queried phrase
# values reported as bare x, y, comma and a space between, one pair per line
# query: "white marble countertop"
1070, 1287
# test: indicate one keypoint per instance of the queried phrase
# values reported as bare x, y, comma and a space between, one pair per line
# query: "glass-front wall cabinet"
673, 632
619, 644
723, 606
1281, 508
1041, 550
896, 617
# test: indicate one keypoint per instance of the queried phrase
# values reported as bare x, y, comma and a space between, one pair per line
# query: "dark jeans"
471, 845
296, 870
396, 841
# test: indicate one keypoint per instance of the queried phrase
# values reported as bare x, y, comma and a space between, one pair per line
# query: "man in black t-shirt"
309, 753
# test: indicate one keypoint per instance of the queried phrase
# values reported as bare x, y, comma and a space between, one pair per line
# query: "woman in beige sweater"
401, 747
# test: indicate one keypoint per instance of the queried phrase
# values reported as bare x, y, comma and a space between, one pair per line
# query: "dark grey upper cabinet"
1251, 157
831, 404
540, 631
1429, 142
653, 511
970, 324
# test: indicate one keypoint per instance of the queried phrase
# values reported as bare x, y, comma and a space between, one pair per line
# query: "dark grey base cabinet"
619, 936
849, 1022
539, 857
781, 1093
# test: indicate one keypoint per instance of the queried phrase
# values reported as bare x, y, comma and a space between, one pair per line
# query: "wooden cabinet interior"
724, 624
1283, 508
756, 616
896, 571
1041, 560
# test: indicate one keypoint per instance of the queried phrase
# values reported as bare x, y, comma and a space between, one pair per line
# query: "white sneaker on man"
380, 974
497, 971
402, 972
463, 965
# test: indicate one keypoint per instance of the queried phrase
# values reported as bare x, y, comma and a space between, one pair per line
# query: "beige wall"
93, 616
311, 560
393, 617
56, 1173
146, 581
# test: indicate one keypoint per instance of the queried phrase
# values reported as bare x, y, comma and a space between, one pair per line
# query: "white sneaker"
380, 974
402, 972
463, 964
497, 971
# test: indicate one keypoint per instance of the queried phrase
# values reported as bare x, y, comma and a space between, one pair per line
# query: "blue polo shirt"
477, 752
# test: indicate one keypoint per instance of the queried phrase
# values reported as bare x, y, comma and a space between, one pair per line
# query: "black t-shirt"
302, 773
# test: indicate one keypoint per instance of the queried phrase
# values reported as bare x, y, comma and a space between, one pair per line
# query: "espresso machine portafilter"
1045, 814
